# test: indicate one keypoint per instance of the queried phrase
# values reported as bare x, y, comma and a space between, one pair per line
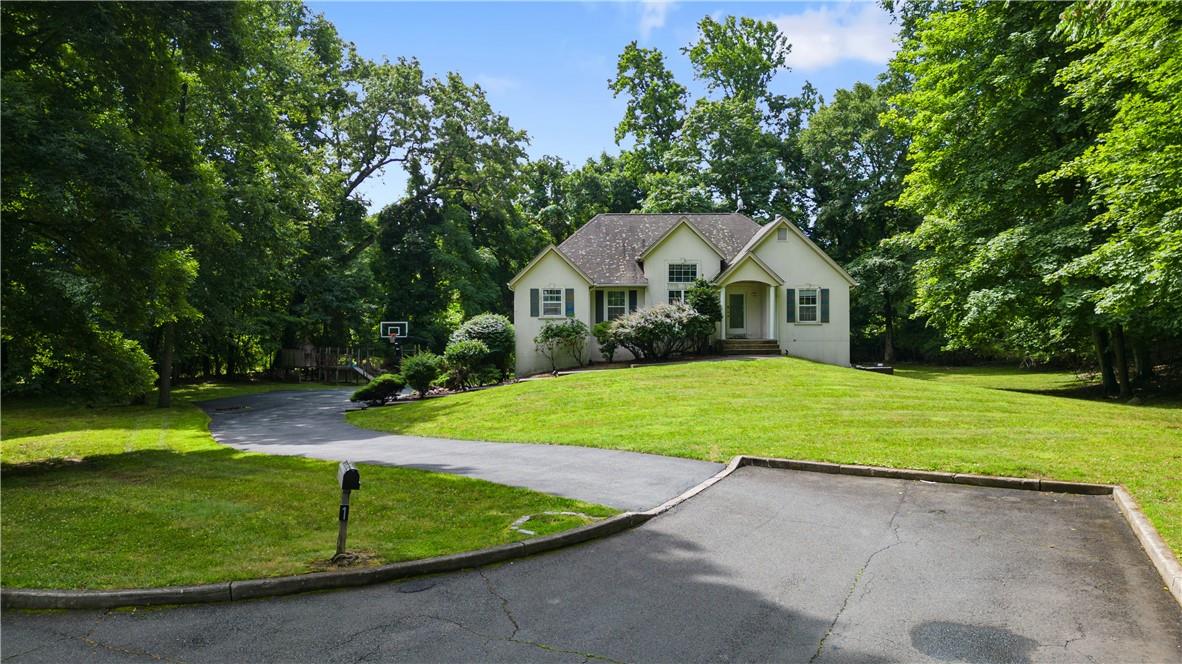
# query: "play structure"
347, 364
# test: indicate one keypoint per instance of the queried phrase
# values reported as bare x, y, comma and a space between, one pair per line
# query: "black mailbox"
348, 476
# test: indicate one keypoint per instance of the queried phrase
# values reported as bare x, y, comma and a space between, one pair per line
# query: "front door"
736, 315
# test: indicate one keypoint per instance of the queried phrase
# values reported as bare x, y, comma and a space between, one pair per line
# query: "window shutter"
632, 297
791, 305
534, 303
598, 306
570, 303
824, 305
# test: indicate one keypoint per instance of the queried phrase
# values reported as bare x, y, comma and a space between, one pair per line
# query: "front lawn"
802, 410
137, 497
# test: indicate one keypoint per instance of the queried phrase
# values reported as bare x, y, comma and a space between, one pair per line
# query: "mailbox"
348, 477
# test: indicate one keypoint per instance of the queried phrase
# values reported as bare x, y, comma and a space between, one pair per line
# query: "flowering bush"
660, 331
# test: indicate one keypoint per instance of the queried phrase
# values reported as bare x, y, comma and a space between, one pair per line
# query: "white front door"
736, 315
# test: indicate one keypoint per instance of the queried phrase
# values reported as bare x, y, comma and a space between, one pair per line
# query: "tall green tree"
1128, 82
986, 122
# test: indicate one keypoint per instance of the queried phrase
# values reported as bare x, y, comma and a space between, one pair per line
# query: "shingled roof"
606, 247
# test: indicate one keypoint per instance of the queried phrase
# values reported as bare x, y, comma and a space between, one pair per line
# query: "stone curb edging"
1159, 554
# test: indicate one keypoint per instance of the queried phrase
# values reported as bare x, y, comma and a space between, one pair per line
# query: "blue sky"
546, 65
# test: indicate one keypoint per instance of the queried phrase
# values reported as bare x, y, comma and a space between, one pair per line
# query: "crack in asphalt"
517, 627
862, 570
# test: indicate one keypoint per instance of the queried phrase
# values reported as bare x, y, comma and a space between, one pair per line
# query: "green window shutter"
791, 305
534, 303
633, 296
824, 305
598, 306
570, 303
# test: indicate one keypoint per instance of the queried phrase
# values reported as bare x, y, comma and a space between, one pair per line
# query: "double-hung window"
617, 303
551, 301
680, 275
806, 305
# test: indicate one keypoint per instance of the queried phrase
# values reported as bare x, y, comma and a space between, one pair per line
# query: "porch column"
771, 312
722, 323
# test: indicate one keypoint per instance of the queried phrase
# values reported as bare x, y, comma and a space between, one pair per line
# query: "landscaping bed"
134, 496
791, 408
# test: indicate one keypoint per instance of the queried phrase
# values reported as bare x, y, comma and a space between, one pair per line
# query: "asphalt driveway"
313, 424
768, 565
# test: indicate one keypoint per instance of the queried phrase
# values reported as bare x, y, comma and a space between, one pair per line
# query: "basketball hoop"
393, 330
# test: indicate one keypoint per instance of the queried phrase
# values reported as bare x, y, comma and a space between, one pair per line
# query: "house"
780, 292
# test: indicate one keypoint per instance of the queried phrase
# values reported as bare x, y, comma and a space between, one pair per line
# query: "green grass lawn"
134, 496
998, 377
797, 409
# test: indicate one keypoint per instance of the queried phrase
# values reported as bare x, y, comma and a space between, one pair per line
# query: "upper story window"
551, 301
617, 304
683, 273
806, 305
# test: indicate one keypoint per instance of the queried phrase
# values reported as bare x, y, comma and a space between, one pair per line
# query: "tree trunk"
1122, 364
888, 340
1100, 337
1142, 361
164, 396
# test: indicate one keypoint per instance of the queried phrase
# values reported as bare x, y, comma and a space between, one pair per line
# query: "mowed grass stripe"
950, 420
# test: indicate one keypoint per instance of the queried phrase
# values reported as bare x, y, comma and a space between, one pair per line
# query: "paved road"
768, 565
312, 424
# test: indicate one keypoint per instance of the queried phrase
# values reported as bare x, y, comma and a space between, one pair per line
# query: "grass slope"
138, 497
797, 409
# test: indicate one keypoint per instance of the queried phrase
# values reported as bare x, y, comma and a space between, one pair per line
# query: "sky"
545, 65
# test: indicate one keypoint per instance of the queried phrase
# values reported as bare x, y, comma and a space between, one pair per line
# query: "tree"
656, 106
738, 56
1128, 81
986, 121
856, 170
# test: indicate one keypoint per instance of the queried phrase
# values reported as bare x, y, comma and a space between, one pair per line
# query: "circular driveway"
313, 424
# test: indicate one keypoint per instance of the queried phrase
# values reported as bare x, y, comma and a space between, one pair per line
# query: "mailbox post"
350, 479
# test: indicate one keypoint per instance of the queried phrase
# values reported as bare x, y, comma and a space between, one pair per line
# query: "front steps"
750, 347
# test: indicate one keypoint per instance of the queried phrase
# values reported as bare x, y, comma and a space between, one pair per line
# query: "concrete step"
750, 347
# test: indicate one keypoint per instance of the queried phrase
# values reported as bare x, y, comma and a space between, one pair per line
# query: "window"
676, 296
806, 305
617, 304
683, 273
551, 301
782, 234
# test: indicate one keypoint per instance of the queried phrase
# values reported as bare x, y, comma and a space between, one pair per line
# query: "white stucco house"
780, 292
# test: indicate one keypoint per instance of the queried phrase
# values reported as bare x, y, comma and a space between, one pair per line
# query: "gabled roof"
682, 222
540, 256
606, 248
767, 230
743, 259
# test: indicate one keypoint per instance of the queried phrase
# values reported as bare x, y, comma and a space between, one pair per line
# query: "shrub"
661, 331
99, 366
380, 389
705, 298
557, 337
420, 370
464, 359
497, 334
607, 339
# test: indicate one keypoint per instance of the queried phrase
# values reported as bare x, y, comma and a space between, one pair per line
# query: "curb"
1159, 554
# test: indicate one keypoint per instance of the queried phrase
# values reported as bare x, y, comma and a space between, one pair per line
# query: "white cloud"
827, 35
653, 14
497, 84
